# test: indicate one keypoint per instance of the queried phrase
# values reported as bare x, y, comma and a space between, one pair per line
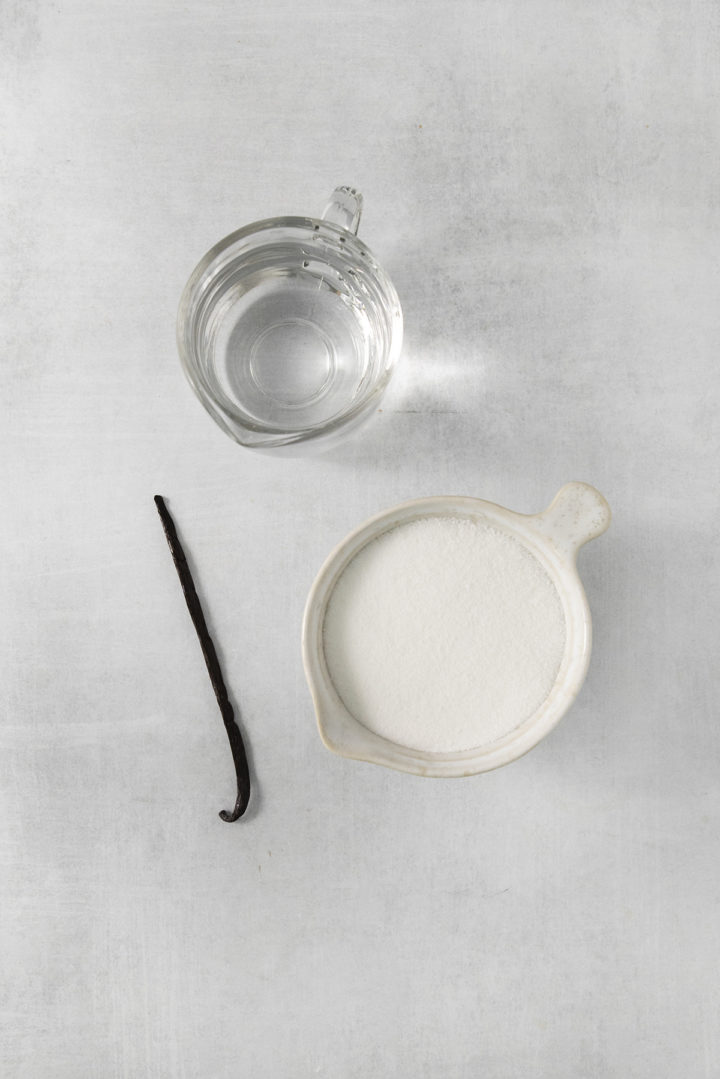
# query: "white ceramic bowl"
578, 513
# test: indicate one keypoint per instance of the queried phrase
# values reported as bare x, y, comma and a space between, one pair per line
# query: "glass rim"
345, 239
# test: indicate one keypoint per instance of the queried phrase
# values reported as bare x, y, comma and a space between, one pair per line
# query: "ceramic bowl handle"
577, 513
344, 209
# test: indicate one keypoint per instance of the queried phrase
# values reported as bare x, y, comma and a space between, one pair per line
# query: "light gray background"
541, 181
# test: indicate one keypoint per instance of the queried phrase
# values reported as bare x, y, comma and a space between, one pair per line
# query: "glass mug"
288, 329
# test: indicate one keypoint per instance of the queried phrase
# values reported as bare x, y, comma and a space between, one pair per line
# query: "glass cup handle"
344, 209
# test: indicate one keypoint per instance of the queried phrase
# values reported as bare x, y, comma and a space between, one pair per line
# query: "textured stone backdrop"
541, 181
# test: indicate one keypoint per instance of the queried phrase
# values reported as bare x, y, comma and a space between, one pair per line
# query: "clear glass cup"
288, 330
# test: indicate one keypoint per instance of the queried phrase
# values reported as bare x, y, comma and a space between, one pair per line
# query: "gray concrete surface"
541, 181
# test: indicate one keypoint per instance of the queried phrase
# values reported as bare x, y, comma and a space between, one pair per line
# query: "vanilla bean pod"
237, 747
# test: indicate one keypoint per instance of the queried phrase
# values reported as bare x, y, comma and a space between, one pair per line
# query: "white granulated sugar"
444, 634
